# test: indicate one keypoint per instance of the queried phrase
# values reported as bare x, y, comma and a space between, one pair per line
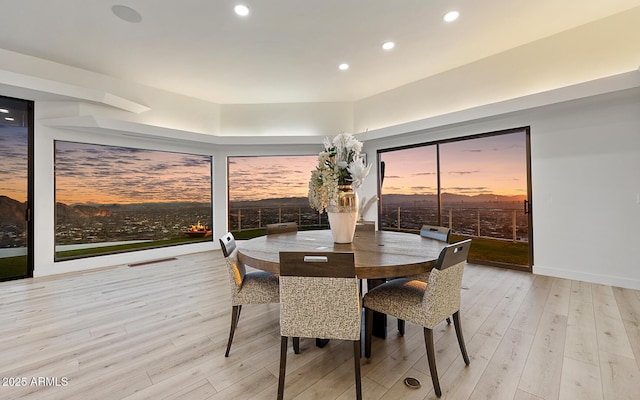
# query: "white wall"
587, 189
304, 119
585, 183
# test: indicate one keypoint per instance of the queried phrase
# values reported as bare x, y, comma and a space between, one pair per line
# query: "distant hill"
12, 212
65, 212
272, 203
395, 200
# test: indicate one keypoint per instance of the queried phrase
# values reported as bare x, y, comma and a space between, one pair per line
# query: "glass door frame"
30, 190
29, 215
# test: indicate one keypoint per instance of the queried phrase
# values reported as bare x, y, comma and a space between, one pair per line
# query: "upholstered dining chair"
425, 304
258, 287
440, 233
319, 298
282, 228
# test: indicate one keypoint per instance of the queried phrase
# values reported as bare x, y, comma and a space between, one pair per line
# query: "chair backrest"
282, 228
319, 295
365, 226
235, 268
454, 254
436, 232
442, 295
228, 244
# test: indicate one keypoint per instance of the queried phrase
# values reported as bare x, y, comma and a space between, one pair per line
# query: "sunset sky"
253, 178
495, 164
87, 173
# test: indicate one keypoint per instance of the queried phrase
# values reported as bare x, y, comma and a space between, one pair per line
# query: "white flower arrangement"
339, 164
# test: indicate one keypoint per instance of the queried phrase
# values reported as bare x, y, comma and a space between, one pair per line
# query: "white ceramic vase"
343, 216
343, 225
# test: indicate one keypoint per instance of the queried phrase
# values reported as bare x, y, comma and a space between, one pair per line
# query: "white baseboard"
602, 279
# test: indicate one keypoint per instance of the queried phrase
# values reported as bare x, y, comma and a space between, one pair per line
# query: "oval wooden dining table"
378, 255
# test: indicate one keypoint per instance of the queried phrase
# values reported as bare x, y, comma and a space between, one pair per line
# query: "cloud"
97, 173
463, 189
422, 188
463, 172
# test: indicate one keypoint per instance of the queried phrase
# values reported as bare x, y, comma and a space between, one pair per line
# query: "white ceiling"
286, 50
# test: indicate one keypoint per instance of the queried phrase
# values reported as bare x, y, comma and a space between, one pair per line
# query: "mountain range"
12, 212
391, 200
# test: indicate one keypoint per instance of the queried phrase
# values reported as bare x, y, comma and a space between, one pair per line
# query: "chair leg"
401, 327
283, 366
356, 358
235, 316
368, 330
448, 321
239, 310
458, 326
431, 357
296, 345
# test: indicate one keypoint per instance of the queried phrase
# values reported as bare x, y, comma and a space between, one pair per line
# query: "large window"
270, 189
114, 199
477, 186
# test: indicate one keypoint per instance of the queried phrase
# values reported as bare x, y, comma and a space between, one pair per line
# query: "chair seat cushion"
258, 287
401, 298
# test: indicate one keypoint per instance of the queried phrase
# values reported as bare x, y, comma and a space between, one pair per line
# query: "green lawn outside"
496, 251
13, 266
71, 254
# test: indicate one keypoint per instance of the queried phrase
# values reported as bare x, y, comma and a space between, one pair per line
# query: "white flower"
358, 172
339, 164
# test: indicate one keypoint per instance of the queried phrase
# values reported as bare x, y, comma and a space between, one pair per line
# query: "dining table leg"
379, 319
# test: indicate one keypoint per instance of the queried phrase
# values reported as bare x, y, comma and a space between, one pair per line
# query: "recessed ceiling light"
4, 111
388, 45
343, 66
126, 13
241, 10
9, 119
451, 16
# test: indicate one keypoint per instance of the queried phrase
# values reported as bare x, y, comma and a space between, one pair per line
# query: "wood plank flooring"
159, 331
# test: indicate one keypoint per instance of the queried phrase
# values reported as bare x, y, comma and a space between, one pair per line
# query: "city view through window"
483, 186
111, 198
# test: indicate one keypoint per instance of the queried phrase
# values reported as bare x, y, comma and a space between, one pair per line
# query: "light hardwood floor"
159, 331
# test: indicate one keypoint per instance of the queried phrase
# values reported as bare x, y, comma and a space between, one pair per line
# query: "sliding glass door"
478, 186
16, 190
